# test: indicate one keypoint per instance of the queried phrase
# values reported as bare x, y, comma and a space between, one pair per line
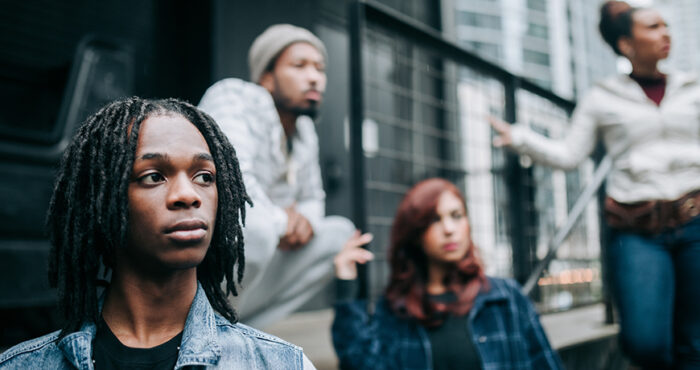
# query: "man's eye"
204, 178
152, 179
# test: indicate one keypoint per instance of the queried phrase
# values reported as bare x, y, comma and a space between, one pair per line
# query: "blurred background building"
411, 84
555, 43
682, 16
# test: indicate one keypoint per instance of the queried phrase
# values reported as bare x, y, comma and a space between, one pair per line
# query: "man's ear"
267, 80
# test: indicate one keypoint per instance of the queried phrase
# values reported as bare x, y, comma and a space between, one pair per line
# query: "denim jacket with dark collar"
504, 327
208, 341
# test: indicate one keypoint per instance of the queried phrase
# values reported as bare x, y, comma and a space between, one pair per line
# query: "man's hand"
299, 231
352, 253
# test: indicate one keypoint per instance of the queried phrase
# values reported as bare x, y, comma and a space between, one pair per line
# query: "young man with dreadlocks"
149, 196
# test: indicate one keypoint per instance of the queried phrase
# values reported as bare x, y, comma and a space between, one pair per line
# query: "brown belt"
653, 216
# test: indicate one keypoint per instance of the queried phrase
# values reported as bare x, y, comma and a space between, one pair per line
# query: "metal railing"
413, 52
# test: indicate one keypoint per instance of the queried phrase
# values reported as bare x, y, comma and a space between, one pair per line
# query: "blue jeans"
655, 280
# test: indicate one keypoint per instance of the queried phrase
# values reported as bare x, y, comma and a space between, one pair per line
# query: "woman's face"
650, 40
447, 239
172, 196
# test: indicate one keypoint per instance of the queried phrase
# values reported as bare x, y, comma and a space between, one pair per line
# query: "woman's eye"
457, 215
152, 178
204, 178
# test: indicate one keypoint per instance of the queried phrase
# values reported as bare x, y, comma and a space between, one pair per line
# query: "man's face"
172, 197
298, 79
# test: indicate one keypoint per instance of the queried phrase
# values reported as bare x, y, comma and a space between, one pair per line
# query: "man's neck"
144, 314
289, 122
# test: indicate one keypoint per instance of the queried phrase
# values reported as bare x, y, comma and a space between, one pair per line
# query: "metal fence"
419, 108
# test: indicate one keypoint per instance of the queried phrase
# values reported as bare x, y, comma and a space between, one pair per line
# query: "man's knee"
331, 234
339, 225
260, 240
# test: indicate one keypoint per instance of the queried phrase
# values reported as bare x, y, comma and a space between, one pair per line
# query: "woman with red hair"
439, 311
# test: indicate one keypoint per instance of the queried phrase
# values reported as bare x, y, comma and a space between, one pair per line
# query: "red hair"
407, 292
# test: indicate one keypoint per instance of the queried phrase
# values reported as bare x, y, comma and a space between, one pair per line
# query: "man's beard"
311, 111
283, 102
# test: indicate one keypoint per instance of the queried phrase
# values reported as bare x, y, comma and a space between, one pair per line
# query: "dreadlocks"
88, 214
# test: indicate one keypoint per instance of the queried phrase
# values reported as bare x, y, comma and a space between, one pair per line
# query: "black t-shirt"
108, 353
451, 343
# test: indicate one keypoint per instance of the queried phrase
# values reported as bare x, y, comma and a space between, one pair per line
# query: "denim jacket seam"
260, 335
48, 341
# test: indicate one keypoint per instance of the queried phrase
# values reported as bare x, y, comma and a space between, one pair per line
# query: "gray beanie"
270, 44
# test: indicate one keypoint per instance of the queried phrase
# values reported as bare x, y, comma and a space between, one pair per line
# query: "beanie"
273, 41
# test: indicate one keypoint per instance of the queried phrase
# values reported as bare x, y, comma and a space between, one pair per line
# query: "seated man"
290, 243
148, 196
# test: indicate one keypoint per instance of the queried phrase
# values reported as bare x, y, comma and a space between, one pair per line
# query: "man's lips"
186, 231
312, 95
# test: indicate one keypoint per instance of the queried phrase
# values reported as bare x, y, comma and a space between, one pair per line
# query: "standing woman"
649, 122
150, 191
439, 311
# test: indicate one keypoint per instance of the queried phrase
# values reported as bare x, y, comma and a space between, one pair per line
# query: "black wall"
171, 47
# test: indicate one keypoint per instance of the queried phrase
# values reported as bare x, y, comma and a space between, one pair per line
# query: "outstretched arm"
566, 153
356, 334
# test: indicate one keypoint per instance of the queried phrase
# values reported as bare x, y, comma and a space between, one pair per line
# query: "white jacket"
274, 180
656, 148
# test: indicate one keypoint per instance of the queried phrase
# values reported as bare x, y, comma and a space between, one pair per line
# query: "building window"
536, 57
540, 5
537, 30
484, 49
478, 20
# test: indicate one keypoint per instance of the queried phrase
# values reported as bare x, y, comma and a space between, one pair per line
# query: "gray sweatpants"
276, 282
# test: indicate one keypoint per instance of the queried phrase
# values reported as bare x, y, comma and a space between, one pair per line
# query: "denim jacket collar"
493, 294
77, 347
200, 345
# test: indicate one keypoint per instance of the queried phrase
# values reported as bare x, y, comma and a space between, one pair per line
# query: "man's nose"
182, 193
314, 75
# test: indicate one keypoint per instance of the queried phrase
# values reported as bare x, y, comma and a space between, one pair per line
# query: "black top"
110, 354
451, 342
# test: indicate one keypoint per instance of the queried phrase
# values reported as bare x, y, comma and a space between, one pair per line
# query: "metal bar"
517, 192
576, 211
356, 32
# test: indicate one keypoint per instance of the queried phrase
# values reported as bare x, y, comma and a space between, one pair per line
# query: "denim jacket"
504, 325
208, 340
